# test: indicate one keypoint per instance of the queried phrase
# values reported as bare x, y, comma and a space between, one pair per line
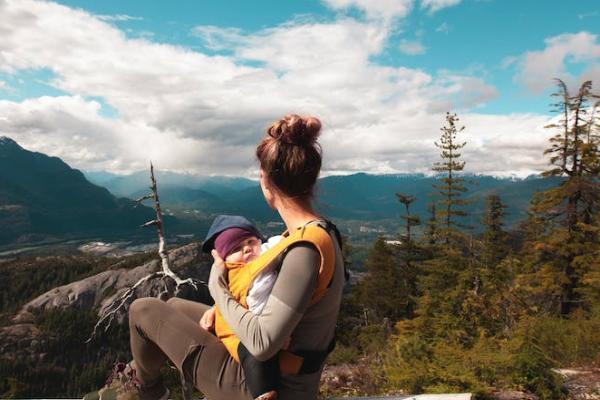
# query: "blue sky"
192, 76
476, 37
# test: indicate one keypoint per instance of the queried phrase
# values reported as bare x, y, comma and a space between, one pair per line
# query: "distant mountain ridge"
42, 197
364, 196
359, 196
131, 184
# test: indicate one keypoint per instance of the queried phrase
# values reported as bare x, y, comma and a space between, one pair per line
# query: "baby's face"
246, 251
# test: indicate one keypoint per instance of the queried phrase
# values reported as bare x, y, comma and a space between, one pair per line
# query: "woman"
290, 161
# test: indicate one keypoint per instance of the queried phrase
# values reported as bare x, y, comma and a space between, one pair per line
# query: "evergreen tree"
495, 245
383, 291
431, 233
565, 215
574, 155
446, 308
453, 186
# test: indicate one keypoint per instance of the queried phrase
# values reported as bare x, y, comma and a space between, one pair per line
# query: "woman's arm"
265, 334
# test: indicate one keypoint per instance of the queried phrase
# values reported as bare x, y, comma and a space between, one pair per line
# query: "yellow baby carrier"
242, 275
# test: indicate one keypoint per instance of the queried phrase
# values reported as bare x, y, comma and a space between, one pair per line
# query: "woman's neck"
296, 213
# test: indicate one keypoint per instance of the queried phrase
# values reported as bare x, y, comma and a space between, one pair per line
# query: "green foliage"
431, 234
343, 354
564, 218
488, 309
28, 277
495, 246
384, 292
71, 367
532, 371
422, 365
569, 341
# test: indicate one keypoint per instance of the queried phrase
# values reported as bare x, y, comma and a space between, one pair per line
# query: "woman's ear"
266, 190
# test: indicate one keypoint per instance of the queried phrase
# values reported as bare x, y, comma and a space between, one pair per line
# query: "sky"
192, 85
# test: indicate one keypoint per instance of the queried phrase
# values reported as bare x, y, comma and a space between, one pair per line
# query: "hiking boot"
123, 384
272, 395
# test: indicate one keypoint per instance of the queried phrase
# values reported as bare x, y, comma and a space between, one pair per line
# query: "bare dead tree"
120, 305
411, 220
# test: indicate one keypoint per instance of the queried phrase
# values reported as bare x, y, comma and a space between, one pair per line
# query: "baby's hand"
207, 322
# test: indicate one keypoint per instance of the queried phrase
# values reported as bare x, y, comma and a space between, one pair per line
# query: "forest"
449, 311
441, 309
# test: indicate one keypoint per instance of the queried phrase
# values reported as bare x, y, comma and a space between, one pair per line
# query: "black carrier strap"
330, 226
261, 376
314, 360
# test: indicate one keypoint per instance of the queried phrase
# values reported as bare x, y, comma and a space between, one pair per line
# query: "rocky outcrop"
98, 291
24, 340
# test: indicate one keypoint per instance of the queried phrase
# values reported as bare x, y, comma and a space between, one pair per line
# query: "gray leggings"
160, 331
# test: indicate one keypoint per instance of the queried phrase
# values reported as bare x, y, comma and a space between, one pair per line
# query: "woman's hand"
217, 257
218, 275
207, 322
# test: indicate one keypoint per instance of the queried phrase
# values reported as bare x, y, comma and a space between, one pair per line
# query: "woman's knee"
144, 308
175, 302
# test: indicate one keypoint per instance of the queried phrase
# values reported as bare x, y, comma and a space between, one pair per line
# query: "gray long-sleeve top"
287, 314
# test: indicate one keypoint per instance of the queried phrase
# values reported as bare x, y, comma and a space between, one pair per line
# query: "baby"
238, 242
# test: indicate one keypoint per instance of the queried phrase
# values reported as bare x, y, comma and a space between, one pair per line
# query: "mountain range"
361, 196
42, 197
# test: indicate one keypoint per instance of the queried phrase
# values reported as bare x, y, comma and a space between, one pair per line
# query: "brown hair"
290, 156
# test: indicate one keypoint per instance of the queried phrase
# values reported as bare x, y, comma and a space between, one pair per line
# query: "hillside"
42, 197
48, 308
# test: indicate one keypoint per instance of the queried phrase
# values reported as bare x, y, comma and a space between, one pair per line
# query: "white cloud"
71, 128
444, 28
119, 18
3, 85
496, 145
411, 47
508, 61
217, 38
538, 68
468, 92
505, 145
381, 9
293, 47
189, 111
389, 9
436, 5
590, 14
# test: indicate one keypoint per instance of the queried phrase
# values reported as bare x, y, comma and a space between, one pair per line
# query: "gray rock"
98, 291
513, 395
23, 339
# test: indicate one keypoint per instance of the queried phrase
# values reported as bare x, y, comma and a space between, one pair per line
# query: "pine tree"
574, 156
495, 245
431, 233
448, 307
567, 213
453, 186
383, 291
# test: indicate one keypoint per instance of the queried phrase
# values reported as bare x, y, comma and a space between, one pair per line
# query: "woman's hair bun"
294, 129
